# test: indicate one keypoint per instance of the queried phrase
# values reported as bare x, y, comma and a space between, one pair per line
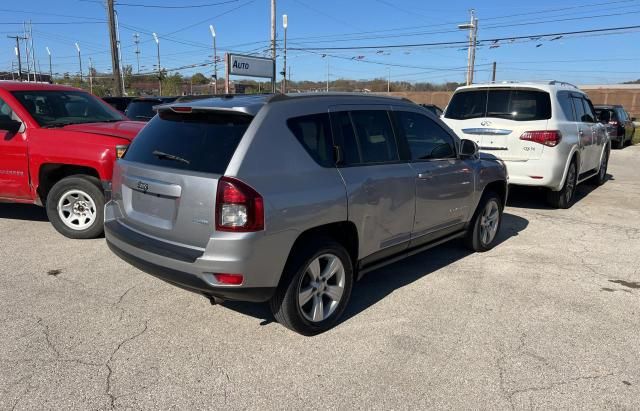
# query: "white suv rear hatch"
496, 117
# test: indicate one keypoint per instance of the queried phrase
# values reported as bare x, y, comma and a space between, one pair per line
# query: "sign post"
248, 66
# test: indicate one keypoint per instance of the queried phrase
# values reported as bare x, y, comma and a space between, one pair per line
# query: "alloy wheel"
321, 288
489, 221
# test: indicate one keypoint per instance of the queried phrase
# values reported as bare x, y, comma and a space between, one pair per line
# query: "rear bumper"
537, 173
193, 282
184, 267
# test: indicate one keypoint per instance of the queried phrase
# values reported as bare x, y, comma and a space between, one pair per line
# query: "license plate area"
153, 205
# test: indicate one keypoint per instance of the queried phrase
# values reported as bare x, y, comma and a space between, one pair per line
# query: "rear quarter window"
314, 133
199, 141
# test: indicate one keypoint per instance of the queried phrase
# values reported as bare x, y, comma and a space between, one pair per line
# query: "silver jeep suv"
291, 199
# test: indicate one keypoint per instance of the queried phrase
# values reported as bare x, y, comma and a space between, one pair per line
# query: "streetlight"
155, 37
285, 23
472, 26
50, 70
215, 60
79, 60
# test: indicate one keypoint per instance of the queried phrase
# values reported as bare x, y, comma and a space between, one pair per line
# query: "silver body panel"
389, 204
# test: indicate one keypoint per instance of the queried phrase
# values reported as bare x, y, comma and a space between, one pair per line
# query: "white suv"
546, 133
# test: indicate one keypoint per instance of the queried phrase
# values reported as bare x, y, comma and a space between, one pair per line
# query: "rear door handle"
425, 176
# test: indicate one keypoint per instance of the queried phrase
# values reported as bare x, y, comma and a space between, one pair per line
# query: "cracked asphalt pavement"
548, 319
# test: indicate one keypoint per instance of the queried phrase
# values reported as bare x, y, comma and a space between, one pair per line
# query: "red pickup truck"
57, 149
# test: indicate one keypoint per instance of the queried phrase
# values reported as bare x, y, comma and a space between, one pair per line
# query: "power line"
446, 43
185, 6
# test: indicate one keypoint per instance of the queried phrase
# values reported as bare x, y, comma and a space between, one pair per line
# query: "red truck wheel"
75, 207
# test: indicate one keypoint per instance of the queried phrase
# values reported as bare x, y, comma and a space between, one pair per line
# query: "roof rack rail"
562, 83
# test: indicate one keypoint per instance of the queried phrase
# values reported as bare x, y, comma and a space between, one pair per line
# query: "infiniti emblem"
485, 123
143, 186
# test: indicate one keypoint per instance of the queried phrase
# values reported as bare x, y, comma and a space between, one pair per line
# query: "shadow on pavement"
28, 212
536, 197
377, 284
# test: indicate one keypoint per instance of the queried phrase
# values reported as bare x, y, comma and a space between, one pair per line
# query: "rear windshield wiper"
167, 156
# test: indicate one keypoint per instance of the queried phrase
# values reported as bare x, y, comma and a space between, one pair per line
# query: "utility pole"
388, 79
328, 74
113, 39
472, 26
121, 61
50, 67
155, 37
90, 75
493, 73
79, 60
27, 51
285, 23
17, 50
215, 60
273, 43
136, 40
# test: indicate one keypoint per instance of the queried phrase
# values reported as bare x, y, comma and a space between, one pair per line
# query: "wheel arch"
51, 173
575, 154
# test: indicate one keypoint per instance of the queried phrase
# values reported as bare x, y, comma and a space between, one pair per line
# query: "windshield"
198, 141
56, 108
141, 110
508, 103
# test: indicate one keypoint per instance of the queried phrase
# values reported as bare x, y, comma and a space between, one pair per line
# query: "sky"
390, 38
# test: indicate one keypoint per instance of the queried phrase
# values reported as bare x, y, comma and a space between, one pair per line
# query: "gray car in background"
291, 199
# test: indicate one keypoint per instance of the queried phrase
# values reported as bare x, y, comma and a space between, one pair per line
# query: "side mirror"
12, 126
468, 148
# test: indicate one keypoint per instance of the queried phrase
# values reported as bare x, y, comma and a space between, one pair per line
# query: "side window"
567, 106
580, 112
622, 115
590, 115
6, 113
425, 138
314, 133
366, 137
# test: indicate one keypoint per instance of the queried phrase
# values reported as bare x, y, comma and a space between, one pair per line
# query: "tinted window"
374, 136
590, 115
426, 139
581, 114
512, 104
567, 106
345, 137
605, 115
197, 141
622, 115
58, 108
314, 133
142, 110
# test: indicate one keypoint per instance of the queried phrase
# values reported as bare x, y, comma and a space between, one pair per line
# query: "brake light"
231, 279
182, 109
239, 207
549, 138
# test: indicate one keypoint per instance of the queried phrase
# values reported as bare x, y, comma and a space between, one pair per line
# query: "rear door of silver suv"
380, 186
168, 178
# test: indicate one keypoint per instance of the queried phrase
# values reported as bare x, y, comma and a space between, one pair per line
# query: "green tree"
199, 78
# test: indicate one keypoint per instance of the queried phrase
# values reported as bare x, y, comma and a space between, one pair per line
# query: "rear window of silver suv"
202, 141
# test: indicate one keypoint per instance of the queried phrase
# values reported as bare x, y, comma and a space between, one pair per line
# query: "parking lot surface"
549, 318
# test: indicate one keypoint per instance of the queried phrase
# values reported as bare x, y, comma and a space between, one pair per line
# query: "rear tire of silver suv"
564, 197
75, 207
484, 228
315, 287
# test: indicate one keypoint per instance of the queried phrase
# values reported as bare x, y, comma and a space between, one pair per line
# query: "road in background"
549, 318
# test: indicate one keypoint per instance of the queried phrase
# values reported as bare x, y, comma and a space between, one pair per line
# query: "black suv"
141, 109
619, 125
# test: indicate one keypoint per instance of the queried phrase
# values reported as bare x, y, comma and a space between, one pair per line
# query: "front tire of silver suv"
483, 232
315, 288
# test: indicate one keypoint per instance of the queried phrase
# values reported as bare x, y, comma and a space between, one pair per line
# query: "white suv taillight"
549, 138
239, 207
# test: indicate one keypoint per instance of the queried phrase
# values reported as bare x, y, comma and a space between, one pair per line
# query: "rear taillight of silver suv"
239, 208
549, 138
